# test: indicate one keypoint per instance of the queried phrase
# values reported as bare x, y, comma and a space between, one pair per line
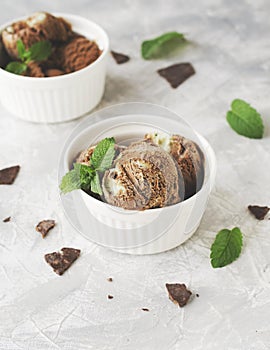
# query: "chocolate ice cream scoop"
39, 27
34, 70
189, 158
78, 53
52, 28
145, 176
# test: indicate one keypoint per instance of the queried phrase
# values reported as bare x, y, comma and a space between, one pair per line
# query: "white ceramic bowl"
135, 232
61, 98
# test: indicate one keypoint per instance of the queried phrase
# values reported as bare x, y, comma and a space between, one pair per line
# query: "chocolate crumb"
197, 295
8, 175
258, 211
178, 293
45, 226
120, 58
109, 279
145, 309
177, 73
7, 219
61, 261
110, 296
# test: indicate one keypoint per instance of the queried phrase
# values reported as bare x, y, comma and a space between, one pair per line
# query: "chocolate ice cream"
34, 70
78, 53
39, 27
145, 176
189, 158
70, 51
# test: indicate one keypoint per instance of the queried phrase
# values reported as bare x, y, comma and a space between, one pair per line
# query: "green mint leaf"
40, 51
95, 185
103, 154
21, 49
79, 177
245, 120
86, 176
71, 181
156, 47
16, 67
226, 247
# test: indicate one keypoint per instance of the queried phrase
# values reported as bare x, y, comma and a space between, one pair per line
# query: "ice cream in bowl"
52, 66
136, 178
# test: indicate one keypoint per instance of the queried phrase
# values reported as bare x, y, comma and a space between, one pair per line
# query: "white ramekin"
134, 232
61, 98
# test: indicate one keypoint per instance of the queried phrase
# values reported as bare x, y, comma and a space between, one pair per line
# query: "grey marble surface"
230, 51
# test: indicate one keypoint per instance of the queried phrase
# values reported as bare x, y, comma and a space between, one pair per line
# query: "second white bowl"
61, 98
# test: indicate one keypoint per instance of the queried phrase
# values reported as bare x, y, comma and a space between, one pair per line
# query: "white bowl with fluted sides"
61, 98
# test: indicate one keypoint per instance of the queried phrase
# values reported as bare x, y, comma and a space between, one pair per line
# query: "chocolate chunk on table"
120, 58
258, 212
178, 293
45, 226
7, 219
61, 261
145, 309
177, 73
8, 175
110, 296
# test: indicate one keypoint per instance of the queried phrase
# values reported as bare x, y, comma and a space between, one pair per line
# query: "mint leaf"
16, 67
79, 177
95, 185
21, 49
71, 181
155, 47
40, 51
245, 120
226, 247
86, 175
103, 154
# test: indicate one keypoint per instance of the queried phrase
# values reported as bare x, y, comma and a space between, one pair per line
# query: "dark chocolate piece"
8, 175
7, 219
197, 295
45, 226
110, 296
120, 58
145, 309
178, 293
258, 212
177, 73
109, 279
61, 261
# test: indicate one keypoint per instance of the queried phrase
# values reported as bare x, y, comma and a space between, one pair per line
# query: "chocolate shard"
61, 261
177, 73
7, 219
258, 211
120, 58
45, 226
178, 293
109, 279
145, 309
110, 296
8, 175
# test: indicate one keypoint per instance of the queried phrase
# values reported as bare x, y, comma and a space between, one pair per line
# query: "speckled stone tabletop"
230, 50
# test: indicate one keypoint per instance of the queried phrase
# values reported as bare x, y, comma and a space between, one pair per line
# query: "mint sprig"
245, 120
39, 51
87, 177
157, 47
16, 67
226, 247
